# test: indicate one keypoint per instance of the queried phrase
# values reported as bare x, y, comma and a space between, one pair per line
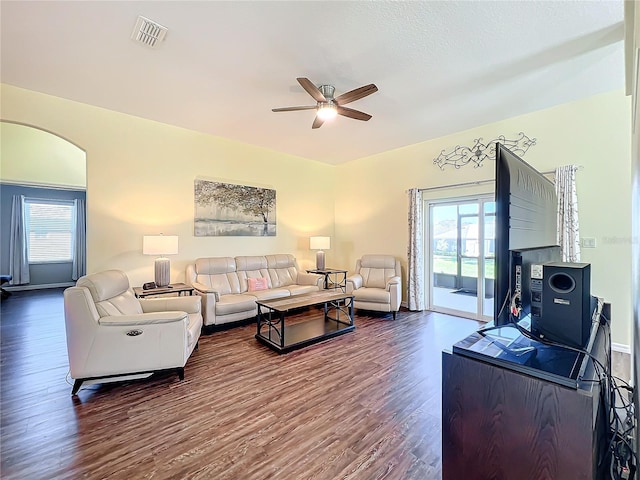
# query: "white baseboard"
621, 348
19, 288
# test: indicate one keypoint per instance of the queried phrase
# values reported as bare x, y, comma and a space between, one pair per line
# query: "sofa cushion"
300, 289
234, 303
224, 283
376, 270
104, 285
248, 263
372, 295
272, 293
251, 267
215, 265
257, 284
375, 277
283, 270
218, 273
110, 292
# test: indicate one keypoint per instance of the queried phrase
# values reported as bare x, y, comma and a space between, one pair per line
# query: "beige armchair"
113, 336
376, 284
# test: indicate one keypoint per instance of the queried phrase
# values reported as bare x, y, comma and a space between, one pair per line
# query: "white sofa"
112, 335
376, 284
225, 284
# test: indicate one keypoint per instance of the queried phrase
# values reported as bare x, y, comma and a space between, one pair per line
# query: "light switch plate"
589, 242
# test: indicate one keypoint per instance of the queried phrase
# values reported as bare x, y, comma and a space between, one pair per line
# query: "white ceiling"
441, 67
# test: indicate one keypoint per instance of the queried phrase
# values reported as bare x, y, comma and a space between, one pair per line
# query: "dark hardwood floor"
365, 405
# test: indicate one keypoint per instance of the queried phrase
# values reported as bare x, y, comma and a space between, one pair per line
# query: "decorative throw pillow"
256, 284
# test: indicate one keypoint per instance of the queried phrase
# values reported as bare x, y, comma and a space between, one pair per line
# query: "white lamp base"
320, 260
163, 271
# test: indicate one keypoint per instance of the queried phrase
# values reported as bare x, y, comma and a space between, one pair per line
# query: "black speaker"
564, 307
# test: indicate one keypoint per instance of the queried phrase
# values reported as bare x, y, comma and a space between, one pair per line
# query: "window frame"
28, 201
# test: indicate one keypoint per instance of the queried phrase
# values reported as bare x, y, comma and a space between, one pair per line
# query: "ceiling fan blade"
311, 89
351, 113
317, 123
291, 109
356, 94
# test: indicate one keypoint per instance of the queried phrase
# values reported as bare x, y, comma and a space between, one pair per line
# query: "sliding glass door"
461, 256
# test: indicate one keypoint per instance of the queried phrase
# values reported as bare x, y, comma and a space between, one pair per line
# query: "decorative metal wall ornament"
476, 154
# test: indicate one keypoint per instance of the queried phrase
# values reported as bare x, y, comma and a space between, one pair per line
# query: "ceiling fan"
327, 106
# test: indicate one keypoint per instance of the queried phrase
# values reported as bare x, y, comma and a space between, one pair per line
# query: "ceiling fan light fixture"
327, 111
327, 106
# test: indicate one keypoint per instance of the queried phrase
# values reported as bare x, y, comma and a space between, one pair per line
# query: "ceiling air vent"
148, 32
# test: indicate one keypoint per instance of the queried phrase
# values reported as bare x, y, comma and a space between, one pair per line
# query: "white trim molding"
51, 186
620, 347
19, 288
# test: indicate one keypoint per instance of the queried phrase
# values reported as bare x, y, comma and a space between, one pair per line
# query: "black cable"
526, 333
623, 456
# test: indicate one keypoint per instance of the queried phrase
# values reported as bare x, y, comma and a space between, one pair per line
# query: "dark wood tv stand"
499, 423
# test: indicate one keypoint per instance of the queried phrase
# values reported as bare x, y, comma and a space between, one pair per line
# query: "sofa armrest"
189, 304
143, 318
394, 286
305, 278
354, 282
392, 282
209, 299
203, 290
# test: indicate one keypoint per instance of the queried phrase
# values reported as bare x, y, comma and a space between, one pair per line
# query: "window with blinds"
50, 228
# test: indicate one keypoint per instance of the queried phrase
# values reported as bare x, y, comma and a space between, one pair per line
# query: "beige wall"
140, 180
371, 216
30, 156
632, 71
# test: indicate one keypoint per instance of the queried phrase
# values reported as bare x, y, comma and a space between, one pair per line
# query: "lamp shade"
319, 243
160, 245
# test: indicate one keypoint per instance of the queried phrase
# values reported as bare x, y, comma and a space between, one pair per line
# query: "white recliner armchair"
114, 336
376, 284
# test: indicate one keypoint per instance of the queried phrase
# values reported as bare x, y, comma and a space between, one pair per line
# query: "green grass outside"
448, 265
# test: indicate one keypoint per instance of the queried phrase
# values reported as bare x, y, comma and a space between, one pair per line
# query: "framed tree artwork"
227, 209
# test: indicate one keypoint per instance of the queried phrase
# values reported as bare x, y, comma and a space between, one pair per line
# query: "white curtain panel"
80, 244
18, 259
568, 225
415, 253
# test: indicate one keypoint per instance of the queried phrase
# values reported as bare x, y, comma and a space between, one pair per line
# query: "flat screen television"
526, 221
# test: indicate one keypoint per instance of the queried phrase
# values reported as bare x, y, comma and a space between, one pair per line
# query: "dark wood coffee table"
337, 319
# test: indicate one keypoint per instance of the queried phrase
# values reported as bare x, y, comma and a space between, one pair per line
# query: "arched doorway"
48, 173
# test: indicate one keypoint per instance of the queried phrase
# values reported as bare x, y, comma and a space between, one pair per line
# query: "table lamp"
161, 245
320, 244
